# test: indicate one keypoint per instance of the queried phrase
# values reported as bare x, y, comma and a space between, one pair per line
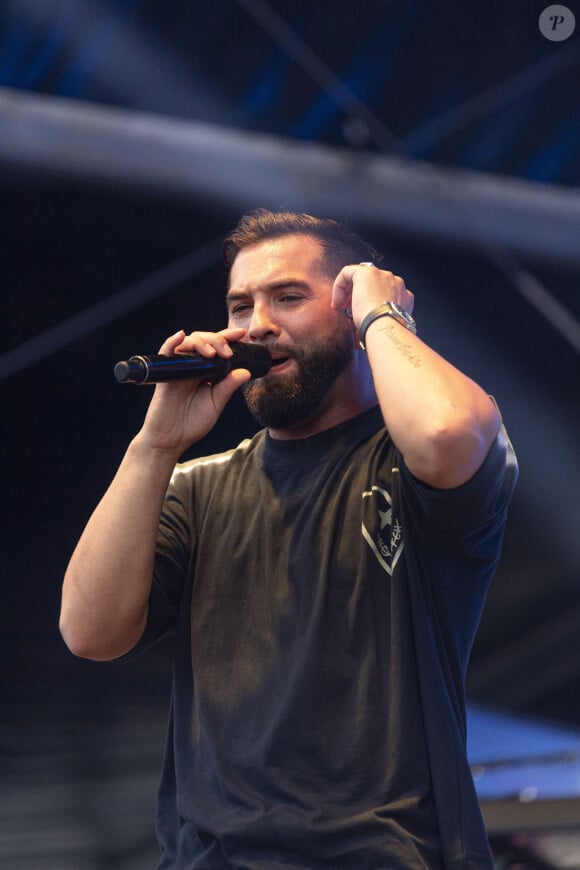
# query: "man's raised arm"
442, 422
108, 580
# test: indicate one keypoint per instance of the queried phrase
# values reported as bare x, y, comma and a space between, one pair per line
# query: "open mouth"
279, 363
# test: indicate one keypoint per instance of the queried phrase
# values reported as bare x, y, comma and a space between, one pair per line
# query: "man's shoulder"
217, 463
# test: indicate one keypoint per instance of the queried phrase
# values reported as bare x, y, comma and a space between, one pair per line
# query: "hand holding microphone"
196, 376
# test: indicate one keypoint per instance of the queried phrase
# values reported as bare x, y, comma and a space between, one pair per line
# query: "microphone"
157, 368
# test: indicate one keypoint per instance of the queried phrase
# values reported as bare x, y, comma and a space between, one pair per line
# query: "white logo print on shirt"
380, 529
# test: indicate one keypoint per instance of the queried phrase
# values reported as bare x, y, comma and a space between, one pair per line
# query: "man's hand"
364, 287
183, 412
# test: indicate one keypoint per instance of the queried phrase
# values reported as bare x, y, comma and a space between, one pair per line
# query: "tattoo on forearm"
404, 349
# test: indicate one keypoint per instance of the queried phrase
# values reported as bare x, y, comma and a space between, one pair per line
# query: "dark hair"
340, 245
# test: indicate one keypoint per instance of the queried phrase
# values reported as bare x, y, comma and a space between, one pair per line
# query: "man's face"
281, 295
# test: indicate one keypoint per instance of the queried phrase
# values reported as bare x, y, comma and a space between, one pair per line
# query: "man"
325, 579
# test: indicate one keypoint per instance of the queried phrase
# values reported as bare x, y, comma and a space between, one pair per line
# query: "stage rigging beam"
238, 169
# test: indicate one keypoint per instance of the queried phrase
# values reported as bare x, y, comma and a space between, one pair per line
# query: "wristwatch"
387, 309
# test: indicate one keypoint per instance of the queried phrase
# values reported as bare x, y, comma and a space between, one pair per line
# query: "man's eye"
240, 308
290, 297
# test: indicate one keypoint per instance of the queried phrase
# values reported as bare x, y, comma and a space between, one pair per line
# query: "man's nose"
262, 323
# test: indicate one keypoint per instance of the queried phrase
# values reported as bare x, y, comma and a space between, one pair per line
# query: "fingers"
362, 286
342, 287
364, 273
205, 343
169, 345
224, 390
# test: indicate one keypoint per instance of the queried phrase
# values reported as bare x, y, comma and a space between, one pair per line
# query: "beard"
280, 401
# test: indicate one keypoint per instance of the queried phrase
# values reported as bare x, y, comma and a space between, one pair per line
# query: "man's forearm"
108, 580
442, 422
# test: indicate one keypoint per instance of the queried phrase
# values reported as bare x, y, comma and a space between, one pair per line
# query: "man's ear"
348, 313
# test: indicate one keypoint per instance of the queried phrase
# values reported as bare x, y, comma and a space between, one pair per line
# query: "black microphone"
157, 368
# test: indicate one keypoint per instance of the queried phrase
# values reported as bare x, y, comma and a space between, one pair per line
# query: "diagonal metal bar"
85, 322
321, 73
533, 291
519, 85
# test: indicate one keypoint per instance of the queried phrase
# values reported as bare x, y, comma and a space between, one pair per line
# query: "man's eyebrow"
232, 295
283, 284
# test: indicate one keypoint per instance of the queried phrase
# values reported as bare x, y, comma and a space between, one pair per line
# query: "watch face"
402, 314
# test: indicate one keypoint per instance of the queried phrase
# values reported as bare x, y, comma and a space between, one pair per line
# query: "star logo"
385, 517
380, 529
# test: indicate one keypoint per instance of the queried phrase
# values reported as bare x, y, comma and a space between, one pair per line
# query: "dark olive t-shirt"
325, 604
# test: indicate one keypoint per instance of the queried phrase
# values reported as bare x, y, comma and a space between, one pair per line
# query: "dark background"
459, 87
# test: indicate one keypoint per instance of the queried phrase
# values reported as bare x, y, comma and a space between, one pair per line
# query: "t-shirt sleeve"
453, 540
479, 501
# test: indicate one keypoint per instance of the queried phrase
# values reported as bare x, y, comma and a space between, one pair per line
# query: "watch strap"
384, 310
